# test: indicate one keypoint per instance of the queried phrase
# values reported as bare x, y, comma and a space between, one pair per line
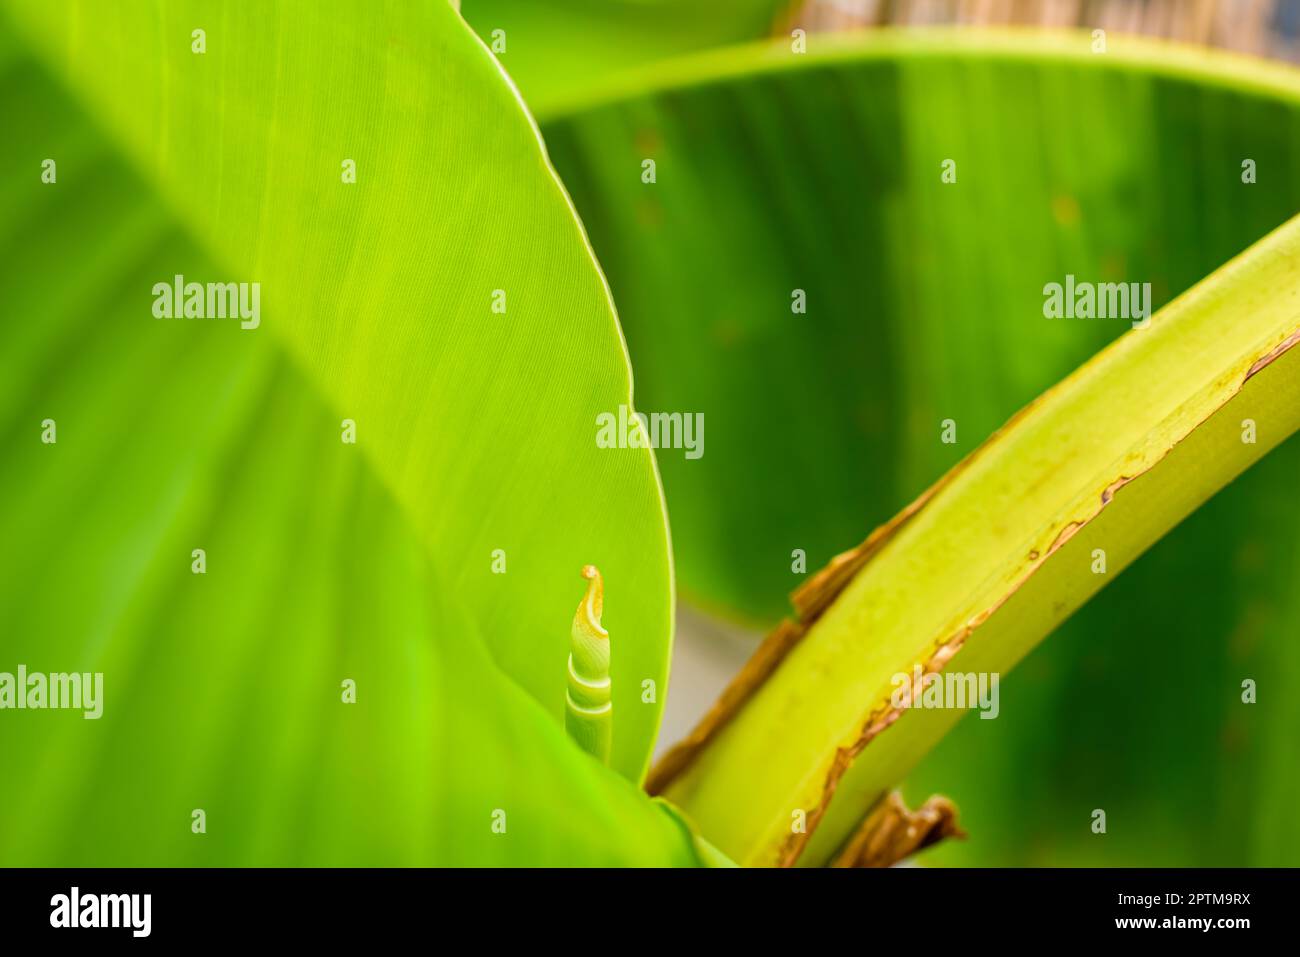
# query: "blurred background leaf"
559, 49
777, 172
326, 561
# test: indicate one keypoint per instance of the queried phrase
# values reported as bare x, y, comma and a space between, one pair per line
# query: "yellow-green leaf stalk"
991, 559
589, 712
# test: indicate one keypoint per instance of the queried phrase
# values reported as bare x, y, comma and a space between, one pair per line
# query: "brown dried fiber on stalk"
1175, 396
809, 601
891, 832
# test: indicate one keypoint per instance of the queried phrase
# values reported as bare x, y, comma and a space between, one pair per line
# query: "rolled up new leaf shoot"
588, 716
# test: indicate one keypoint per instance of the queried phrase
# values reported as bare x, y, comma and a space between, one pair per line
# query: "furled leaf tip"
593, 604
588, 712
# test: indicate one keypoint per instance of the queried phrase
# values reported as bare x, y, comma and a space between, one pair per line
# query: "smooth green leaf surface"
561, 49
325, 561
777, 172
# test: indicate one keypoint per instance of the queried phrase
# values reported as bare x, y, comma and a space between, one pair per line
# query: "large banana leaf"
778, 172
325, 561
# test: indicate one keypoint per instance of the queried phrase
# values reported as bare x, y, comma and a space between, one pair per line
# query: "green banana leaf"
823, 172
325, 562
559, 49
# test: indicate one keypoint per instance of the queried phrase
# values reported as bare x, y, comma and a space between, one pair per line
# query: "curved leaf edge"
182, 221
1139, 55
